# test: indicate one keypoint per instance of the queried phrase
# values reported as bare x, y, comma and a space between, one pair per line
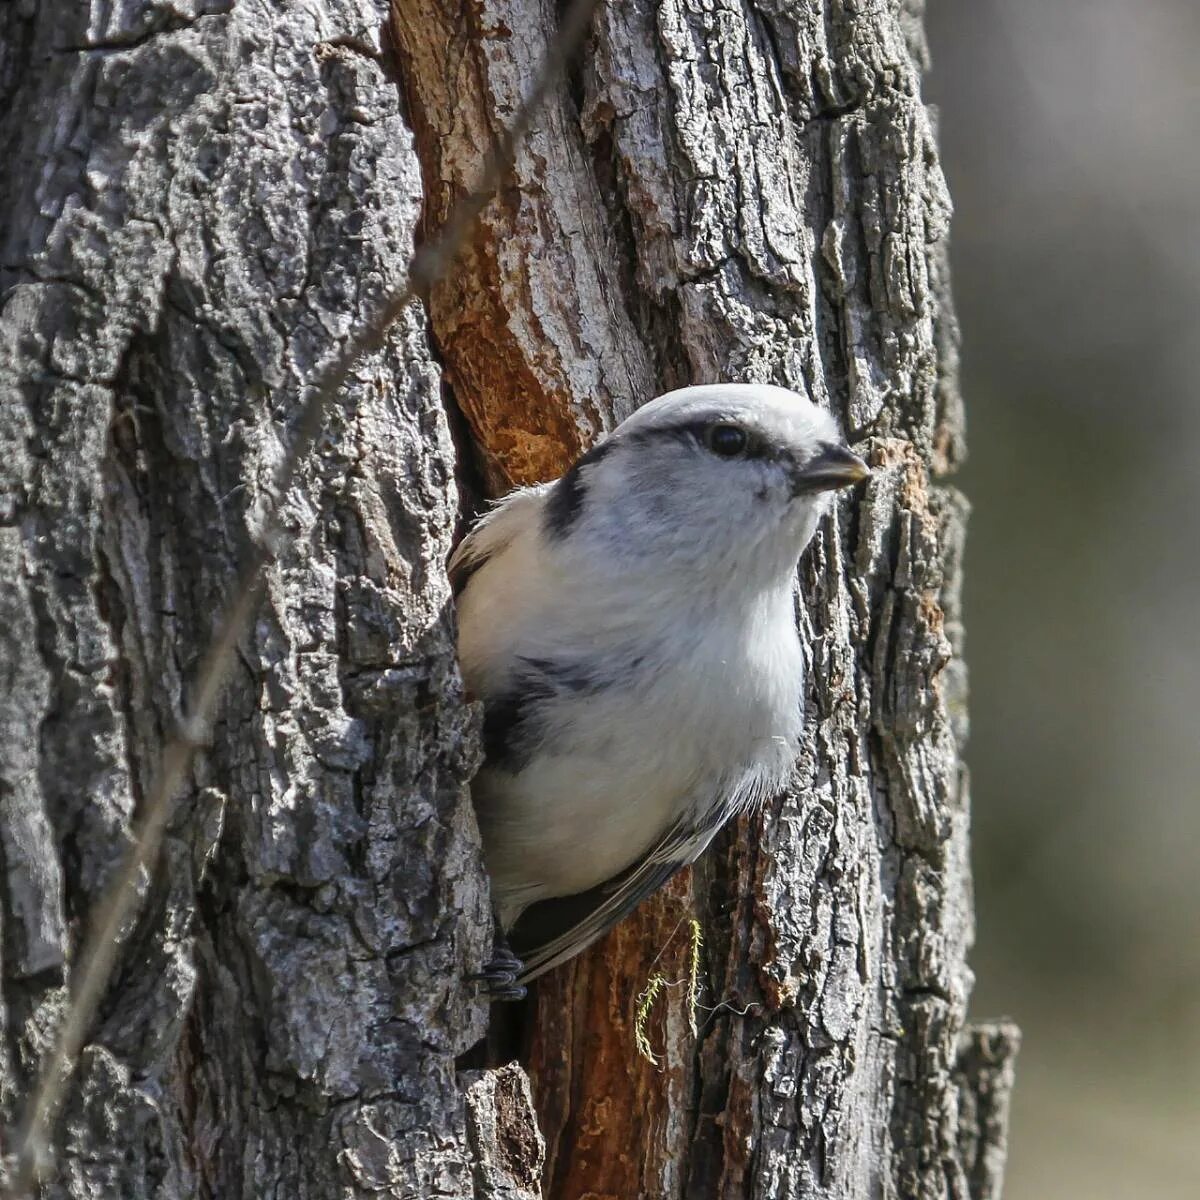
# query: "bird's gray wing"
493, 532
551, 931
467, 558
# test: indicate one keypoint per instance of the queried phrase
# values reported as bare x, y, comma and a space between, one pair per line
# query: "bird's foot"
498, 979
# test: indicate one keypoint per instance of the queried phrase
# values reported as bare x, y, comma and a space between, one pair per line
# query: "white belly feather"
620, 765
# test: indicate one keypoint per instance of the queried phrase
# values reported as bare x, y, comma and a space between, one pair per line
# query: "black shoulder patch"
563, 677
565, 501
506, 739
513, 721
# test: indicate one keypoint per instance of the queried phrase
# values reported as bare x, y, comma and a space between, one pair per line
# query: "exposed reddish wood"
539, 351
606, 1111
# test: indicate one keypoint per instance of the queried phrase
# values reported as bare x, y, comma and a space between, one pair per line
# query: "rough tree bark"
199, 201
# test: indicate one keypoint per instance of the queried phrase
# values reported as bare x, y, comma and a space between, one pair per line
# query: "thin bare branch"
115, 911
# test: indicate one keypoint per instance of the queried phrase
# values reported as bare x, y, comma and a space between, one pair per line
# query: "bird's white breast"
700, 694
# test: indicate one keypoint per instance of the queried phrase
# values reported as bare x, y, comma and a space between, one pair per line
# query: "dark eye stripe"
696, 433
565, 501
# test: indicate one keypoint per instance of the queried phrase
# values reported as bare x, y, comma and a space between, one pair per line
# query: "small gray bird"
630, 630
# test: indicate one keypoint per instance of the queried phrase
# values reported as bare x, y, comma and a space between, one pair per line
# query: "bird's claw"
498, 979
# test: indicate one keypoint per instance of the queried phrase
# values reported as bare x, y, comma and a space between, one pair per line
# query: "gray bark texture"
199, 201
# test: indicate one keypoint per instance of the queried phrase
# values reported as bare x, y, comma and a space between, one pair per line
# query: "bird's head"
724, 477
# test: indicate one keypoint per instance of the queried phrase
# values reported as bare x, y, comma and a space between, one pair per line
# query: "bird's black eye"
726, 440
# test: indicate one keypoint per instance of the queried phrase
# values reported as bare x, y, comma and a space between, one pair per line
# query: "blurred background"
1070, 134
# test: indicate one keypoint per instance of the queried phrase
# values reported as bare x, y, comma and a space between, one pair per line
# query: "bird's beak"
832, 467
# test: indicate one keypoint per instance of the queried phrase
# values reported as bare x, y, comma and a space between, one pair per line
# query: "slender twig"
119, 904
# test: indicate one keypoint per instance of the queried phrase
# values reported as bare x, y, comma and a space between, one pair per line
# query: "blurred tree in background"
1070, 135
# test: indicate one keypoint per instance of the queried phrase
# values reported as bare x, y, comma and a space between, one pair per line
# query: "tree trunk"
199, 203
